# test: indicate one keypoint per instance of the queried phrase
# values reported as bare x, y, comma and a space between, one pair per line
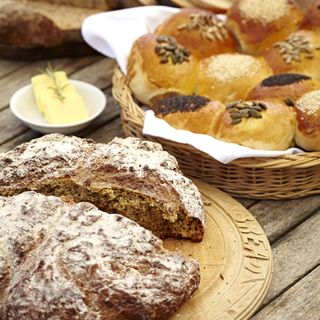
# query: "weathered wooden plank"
278, 217
295, 255
107, 133
247, 202
300, 302
10, 126
8, 66
98, 73
21, 76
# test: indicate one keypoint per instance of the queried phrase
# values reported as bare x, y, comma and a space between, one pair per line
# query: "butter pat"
65, 108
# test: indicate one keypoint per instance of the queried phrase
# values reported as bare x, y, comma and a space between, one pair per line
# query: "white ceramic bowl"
23, 106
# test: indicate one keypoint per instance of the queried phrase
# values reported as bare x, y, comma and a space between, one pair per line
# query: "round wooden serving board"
235, 261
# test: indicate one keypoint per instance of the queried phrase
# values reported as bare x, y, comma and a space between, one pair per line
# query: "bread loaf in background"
90, 4
73, 261
37, 29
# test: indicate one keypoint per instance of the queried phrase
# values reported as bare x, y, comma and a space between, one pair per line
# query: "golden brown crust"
302, 55
193, 113
150, 79
311, 18
228, 77
202, 32
257, 25
308, 121
284, 86
275, 129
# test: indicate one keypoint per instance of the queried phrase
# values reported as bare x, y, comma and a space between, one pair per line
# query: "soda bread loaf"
75, 262
128, 176
32, 29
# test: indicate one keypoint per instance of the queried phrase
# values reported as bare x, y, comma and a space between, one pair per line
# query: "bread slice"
72, 261
128, 176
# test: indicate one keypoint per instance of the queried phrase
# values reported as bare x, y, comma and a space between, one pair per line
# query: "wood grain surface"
235, 261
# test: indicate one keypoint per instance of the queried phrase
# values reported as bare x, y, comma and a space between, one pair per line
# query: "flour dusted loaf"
75, 262
128, 176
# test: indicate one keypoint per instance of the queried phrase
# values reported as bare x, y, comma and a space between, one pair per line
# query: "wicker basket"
285, 177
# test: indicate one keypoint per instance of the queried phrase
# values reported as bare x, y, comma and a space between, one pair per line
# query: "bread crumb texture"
265, 10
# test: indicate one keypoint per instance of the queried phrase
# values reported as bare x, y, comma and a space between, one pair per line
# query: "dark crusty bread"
33, 29
74, 262
90, 4
35, 24
128, 176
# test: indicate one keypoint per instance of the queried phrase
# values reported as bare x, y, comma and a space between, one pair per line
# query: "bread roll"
287, 87
194, 113
74, 262
230, 76
265, 125
129, 176
308, 121
200, 31
299, 53
158, 66
257, 24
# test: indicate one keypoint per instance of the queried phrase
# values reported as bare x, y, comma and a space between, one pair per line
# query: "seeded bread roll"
230, 76
75, 262
128, 176
287, 87
308, 121
200, 31
299, 53
194, 113
264, 125
257, 24
158, 67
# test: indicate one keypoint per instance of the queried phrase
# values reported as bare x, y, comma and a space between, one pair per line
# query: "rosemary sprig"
57, 88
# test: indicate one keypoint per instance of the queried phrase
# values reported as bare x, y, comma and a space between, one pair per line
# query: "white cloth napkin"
113, 33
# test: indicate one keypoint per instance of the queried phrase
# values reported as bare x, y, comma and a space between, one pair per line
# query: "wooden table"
292, 226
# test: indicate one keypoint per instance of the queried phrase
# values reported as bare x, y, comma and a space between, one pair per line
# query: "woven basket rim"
130, 107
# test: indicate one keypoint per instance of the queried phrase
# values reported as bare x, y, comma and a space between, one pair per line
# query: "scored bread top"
73, 261
58, 156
